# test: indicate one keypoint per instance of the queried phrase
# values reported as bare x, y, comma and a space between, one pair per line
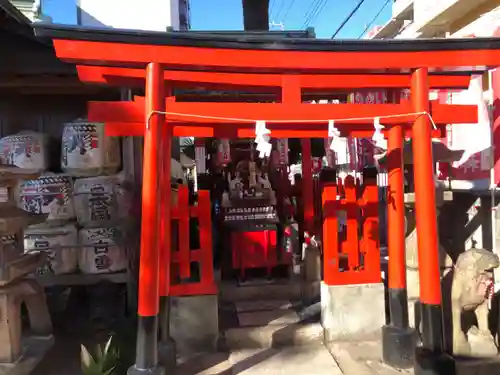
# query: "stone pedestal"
352, 312
11, 298
194, 323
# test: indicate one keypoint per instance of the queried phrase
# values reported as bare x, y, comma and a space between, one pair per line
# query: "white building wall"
151, 15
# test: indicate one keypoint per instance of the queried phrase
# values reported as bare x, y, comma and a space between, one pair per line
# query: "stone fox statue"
471, 291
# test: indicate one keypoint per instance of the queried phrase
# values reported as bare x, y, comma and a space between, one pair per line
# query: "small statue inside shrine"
472, 290
252, 172
236, 184
264, 181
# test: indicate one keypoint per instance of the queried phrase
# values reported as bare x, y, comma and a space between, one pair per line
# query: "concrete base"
398, 346
430, 363
194, 323
352, 312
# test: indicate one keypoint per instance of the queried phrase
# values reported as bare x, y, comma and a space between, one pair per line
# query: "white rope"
236, 119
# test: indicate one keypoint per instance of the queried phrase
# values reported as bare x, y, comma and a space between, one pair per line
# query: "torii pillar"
430, 358
146, 358
398, 339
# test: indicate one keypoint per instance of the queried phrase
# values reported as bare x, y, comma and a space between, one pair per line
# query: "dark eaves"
17, 22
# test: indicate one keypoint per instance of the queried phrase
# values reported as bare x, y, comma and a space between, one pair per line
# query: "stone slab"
204, 364
487, 366
275, 335
263, 318
286, 361
194, 323
352, 312
292, 291
262, 305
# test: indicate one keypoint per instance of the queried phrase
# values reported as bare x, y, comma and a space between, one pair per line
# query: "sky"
324, 15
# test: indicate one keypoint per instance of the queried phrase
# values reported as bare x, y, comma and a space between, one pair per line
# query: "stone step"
267, 317
262, 305
273, 336
289, 290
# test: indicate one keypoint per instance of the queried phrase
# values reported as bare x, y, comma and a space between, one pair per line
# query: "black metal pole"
256, 15
146, 354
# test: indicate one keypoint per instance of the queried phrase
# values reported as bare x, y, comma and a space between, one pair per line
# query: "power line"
374, 19
309, 11
314, 12
288, 10
271, 7
280, 9
348, 18
318, 13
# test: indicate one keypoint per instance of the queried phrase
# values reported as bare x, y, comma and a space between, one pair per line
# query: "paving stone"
311, 360
264, 318
262, 305
274, 335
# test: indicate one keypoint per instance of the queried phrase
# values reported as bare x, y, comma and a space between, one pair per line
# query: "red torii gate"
158, 53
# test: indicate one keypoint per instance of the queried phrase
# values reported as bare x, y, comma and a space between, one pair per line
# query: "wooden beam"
244, 131
335, 59
218, 80
9, 81
232, 113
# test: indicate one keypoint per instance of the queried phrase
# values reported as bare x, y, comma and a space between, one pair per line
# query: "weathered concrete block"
352, 312
194, 323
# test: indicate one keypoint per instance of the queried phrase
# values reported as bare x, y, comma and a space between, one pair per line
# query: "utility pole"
256, 15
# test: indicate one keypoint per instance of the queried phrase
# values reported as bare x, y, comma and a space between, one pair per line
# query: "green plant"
103, 362
124, 338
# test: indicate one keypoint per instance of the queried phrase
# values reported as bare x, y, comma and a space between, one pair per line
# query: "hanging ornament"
262, 138
200, 156
334, 135
378, 137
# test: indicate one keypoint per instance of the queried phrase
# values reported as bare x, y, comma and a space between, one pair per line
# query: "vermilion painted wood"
396, 210
331, 257
165, 243
148, 304
205, 227
370, 242
425, 210
351, 244
229, 113
307, 185
364, 208
203, 256
291, 97
215, 131
219, 80
194, 289
184, 245
94, 53
193, 212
